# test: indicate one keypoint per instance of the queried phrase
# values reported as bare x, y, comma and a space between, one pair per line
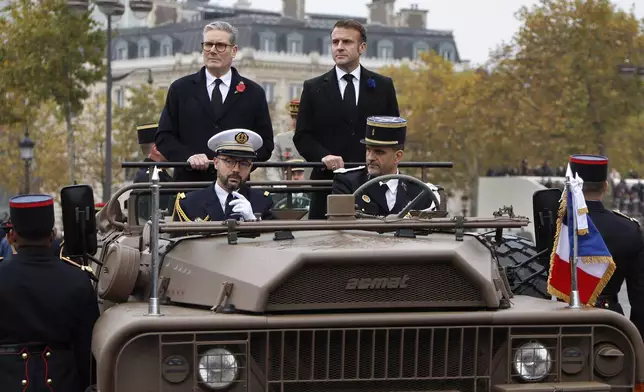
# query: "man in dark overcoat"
48, 308
622, 235
214, 99
334, 108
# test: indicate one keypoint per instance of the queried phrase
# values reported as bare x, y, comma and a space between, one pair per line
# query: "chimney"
381, 12
293, 9
413, 18
242, 4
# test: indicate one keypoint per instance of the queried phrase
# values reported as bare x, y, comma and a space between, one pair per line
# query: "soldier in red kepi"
48, 308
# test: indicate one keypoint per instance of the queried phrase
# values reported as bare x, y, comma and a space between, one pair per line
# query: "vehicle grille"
391, 359
324, 286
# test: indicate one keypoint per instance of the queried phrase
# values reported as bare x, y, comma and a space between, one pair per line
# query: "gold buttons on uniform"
49, 381
25, 355
48, 354
24, 382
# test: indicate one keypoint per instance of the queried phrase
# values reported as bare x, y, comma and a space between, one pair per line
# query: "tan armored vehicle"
416, 302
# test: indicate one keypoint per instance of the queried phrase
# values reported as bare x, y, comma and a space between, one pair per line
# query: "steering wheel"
426, 190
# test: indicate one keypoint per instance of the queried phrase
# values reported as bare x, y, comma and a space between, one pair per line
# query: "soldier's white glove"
434, 189
242, 206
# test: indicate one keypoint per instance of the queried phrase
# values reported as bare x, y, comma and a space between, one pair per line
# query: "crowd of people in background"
626, 196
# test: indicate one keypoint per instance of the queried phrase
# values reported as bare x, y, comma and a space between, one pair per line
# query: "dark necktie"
349, 93
216, 99
229, 208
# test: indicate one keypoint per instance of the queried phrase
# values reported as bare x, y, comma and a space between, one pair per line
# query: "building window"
385, 49
418, 48
294, 43
326, 46
269, 89
120, 52
120, 97
267, 41
448, 52
294, 91
144, 51
166, 46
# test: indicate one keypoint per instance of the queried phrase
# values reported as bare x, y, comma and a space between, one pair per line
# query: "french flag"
595, 265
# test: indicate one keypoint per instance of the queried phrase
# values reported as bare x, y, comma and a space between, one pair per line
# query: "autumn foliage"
552, 91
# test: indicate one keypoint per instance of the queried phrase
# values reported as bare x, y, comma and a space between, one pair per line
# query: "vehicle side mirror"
545, 207
79, 220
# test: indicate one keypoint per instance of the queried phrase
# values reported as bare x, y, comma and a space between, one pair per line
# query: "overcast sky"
478, 25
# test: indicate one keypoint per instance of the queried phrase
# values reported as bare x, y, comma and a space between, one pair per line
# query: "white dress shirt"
222, 195
390, 194
343, 83
226, 79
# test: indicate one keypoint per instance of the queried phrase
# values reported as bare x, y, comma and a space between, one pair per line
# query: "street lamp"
26, 154
111, 9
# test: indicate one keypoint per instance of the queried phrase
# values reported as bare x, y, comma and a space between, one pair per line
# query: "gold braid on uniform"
183, 217
85, 268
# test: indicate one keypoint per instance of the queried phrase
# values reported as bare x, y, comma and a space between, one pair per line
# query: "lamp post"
26, 154
111, 9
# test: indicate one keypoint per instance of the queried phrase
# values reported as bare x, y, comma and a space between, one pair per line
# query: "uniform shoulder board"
345, 170
617, 212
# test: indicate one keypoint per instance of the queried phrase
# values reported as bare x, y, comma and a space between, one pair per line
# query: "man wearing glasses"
204, 104
229, 197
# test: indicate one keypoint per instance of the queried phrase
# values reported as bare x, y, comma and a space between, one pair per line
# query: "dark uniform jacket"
188, 120
373, 200
52, 305
324, 127
145, 200
623, 237
204, 204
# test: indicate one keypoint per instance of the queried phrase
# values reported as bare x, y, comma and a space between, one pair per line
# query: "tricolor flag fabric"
595, 265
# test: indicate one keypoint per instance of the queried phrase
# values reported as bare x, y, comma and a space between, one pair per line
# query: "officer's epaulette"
85, 268
618, 212
343, 170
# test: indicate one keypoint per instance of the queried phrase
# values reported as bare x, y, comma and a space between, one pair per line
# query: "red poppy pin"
240, 87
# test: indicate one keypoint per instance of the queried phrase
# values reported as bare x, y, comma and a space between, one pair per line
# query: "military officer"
229, 197
385, 142
622, 235
299, 200
48, 308
145, 135
285, 148
6, 243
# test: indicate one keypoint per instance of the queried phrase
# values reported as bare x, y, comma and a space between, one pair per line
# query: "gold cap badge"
366, 198
241, 138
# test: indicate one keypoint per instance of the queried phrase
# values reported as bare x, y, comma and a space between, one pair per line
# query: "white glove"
242, 205
434, 189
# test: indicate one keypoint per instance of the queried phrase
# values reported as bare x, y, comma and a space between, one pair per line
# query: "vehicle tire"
529, 279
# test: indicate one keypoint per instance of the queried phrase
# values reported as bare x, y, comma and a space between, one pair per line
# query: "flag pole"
575, 302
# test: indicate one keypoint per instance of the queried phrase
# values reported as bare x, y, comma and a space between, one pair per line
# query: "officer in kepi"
145, 135
622, 235
285, 150
385, 144
48, 308
229, 197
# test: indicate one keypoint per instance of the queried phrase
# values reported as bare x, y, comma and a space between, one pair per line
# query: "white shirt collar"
356, 73
222, 194
226, 78
392, 184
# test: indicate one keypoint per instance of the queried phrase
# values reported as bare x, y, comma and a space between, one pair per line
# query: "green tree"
49, 52
144, 106
565, 56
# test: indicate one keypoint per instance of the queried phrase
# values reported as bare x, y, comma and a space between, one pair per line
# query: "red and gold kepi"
385, 131
293, 107
32, 216
591, 168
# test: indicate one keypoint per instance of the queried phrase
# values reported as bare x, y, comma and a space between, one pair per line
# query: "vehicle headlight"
532, 361
218, 368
